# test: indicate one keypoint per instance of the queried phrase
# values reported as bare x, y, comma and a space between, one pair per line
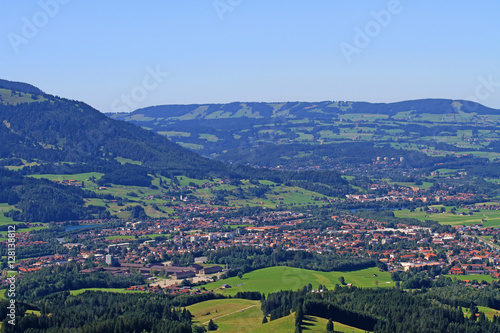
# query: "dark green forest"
384, 310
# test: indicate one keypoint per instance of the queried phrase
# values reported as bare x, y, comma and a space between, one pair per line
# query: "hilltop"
48, 129
249, 132
295, 110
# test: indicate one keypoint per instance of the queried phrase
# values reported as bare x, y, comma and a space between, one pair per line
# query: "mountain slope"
20, 87
60, 136
50, 129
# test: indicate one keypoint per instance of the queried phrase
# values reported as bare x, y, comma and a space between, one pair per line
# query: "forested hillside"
43, 134
59, 130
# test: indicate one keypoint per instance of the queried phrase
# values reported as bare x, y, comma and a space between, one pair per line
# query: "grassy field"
476, 277
310, 324
240, 315
4, 233
231, 315
124, 160
10, 98
109, 290
170, 134
488, 312
184, 181
290, 195
153, 236
424, 186
4, 220
490, 217
33, 312
209, 137
78, 176
273, 279
192, 146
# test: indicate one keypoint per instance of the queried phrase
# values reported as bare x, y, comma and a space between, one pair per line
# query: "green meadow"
241, 315
8, 97
273, 279
33, 312
4, 220
487, 217
230, 315
78, 176
124, 160
3, 234
424, 186
477, 277
310, 324
192, 146
488, 312
109, 290
170, 134
209, 137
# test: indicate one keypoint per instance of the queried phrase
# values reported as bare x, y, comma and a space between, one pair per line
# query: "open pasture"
273, 279
489, 218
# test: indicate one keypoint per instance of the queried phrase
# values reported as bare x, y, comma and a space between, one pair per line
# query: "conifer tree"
329, 325
212, 326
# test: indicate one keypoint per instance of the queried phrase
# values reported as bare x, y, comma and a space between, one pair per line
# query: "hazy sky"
115, 55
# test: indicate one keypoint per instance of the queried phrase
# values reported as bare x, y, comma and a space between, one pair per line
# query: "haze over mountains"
36, 125
292, 110
249, 132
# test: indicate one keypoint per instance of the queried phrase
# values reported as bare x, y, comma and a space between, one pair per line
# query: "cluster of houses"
70, 182
411, 194
400, 247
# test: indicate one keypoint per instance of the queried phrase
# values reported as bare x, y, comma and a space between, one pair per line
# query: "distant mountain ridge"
319, 110
236, 132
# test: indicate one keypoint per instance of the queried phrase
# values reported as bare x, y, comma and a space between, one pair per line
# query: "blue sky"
214, 51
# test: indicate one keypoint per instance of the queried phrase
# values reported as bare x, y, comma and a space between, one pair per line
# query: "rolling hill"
247, 132
297, 110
